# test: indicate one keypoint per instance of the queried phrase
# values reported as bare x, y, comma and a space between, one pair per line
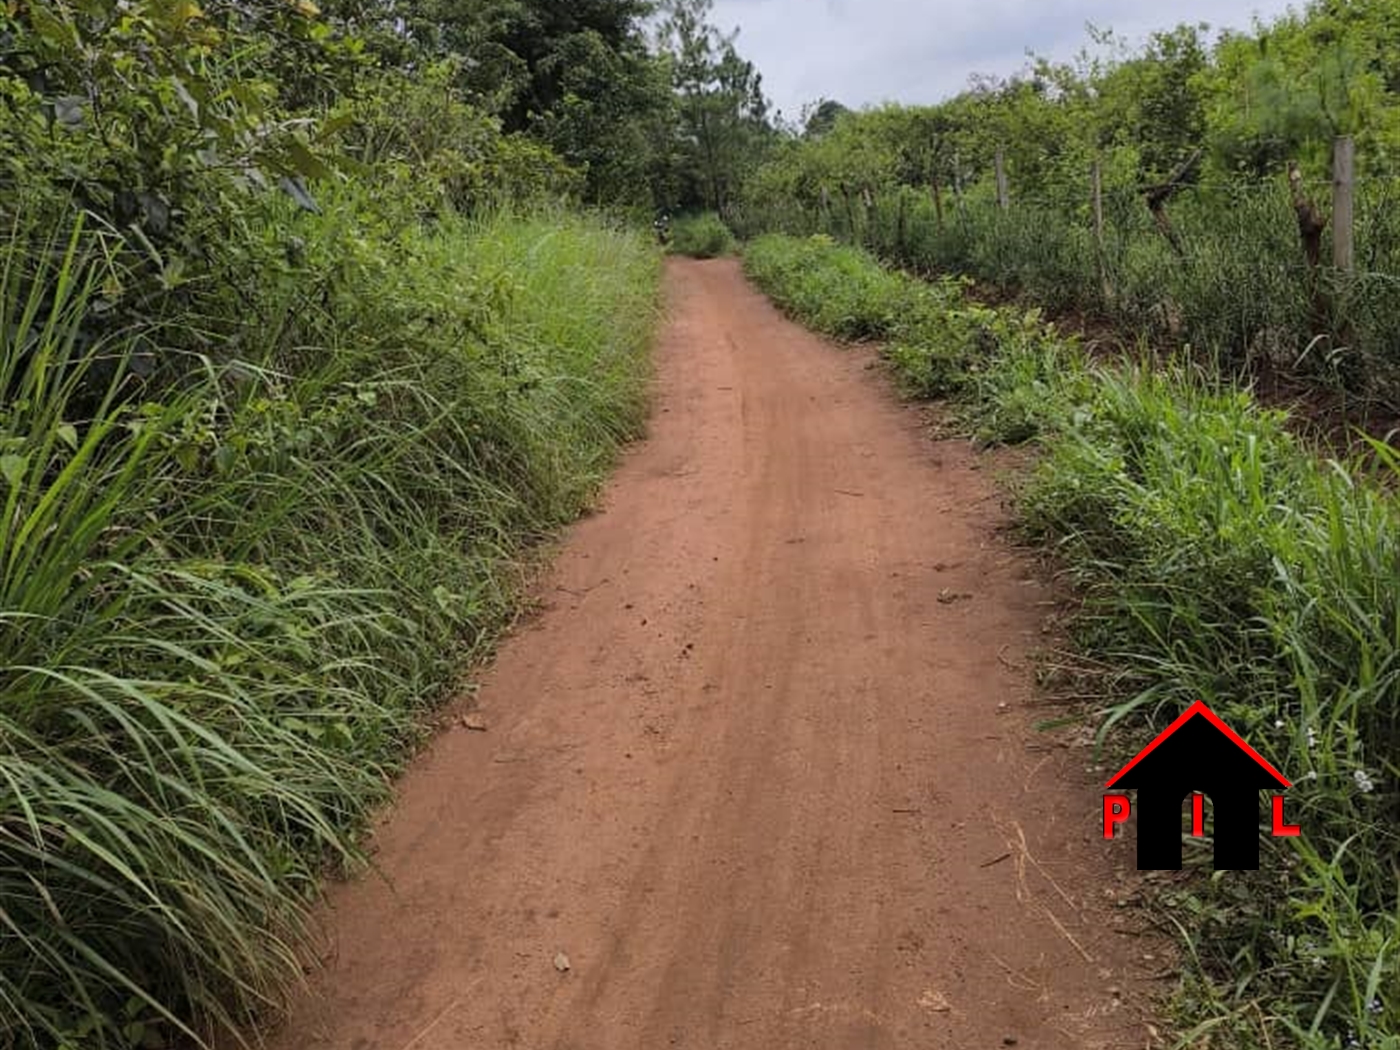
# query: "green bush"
224, 603
838, 290
701, 236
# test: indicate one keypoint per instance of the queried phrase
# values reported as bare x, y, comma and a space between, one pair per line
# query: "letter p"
1116, 810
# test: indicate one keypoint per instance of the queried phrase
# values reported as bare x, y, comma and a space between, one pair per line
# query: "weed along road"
758, 773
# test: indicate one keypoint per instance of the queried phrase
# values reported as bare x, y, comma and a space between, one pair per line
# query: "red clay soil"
759, 774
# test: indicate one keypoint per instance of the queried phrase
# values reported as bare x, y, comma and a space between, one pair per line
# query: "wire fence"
1226, 269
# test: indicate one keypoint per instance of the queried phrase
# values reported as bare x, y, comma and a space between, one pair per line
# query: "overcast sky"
869, 51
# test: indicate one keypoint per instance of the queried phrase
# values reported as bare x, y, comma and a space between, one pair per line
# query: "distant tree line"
1238, 104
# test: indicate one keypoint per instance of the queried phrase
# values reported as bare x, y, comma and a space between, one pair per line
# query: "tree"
821, 117
1155, 102
721, 110
1283, 93
577, 76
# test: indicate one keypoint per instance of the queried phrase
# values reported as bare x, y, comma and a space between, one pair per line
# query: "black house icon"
1198, 752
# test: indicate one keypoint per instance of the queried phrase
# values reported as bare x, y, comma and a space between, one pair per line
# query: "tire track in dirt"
753, 765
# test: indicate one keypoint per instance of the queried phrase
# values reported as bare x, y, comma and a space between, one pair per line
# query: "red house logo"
1197, 755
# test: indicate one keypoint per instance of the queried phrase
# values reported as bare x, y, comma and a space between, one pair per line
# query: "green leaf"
68, 434
183, 94
13, 467
53, 30
306, 162
329, 127
296, 189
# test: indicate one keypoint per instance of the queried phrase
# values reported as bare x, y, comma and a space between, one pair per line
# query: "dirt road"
758, 771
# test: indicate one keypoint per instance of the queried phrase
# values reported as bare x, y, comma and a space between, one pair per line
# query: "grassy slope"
223, 605
1219, 561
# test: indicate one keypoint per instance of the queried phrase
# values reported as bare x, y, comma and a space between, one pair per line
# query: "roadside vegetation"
311, 322
227, 602
1221, 560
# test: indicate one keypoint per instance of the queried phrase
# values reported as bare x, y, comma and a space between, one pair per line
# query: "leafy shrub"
837, 290
427, 148
701, 236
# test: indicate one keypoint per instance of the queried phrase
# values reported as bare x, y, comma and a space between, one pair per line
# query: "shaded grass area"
225, 601
1219, 560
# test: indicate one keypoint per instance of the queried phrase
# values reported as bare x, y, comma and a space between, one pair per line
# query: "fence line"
1228, 267
1343, 210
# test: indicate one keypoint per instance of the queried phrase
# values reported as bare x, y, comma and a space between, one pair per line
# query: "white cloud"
868, 51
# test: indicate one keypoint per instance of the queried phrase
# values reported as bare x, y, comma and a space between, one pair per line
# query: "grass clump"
1000, 364
702, 236
1220, 560
225, 601
840, 291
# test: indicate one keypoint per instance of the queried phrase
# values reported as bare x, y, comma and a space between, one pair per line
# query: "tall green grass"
1001, 366
1239, 292
1219, 560
225, 600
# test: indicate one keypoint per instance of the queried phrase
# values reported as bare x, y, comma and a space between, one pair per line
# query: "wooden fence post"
1002, 196
1096, 199
937, 192
1343, 204
957, 187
